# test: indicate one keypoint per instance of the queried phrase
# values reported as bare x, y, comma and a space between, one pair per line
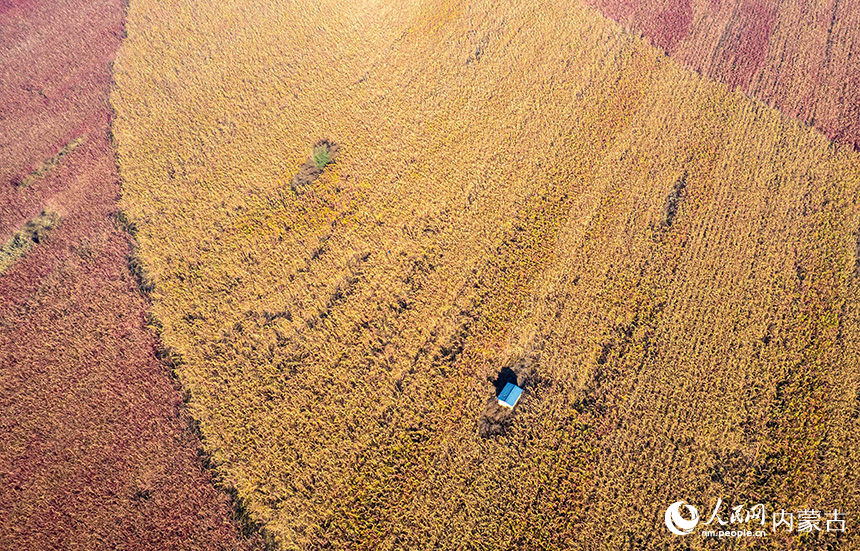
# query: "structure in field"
510, 395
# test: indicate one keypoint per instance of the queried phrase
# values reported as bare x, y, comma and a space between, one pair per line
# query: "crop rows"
97, 452
668, 263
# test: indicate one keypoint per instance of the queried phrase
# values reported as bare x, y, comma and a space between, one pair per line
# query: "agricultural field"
97, 451
801, 56
353, 218
265, 266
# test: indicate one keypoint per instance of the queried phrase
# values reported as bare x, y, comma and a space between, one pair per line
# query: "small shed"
510, 395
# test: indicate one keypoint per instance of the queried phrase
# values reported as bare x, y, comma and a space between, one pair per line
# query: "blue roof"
510, 395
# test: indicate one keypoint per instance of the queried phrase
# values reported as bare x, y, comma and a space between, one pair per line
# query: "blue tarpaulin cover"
509, 395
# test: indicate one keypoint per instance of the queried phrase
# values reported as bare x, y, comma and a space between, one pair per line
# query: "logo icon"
678, 524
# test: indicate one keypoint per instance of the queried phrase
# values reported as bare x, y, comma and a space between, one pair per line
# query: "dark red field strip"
95, 450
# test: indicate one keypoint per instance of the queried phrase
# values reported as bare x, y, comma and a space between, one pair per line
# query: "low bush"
324, 153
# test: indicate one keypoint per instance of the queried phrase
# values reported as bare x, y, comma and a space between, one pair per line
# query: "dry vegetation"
51, 163
802, 56
669, 264
96, 452
31, 233
324, 152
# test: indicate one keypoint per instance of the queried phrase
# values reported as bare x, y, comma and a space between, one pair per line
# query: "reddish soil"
802, 57
96, 449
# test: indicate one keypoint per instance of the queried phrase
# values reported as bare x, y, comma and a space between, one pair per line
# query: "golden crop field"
668, 265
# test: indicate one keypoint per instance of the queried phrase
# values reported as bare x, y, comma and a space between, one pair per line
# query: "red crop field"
802, 57
274, 272
97, 451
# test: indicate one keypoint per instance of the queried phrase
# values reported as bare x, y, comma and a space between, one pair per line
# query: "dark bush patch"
605, 349
142, 494
169, 356
124, 222
519, 372
480, 48
857, 253
768, 335
799, 271
32, 233
324, 153
670, 208
144, 282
